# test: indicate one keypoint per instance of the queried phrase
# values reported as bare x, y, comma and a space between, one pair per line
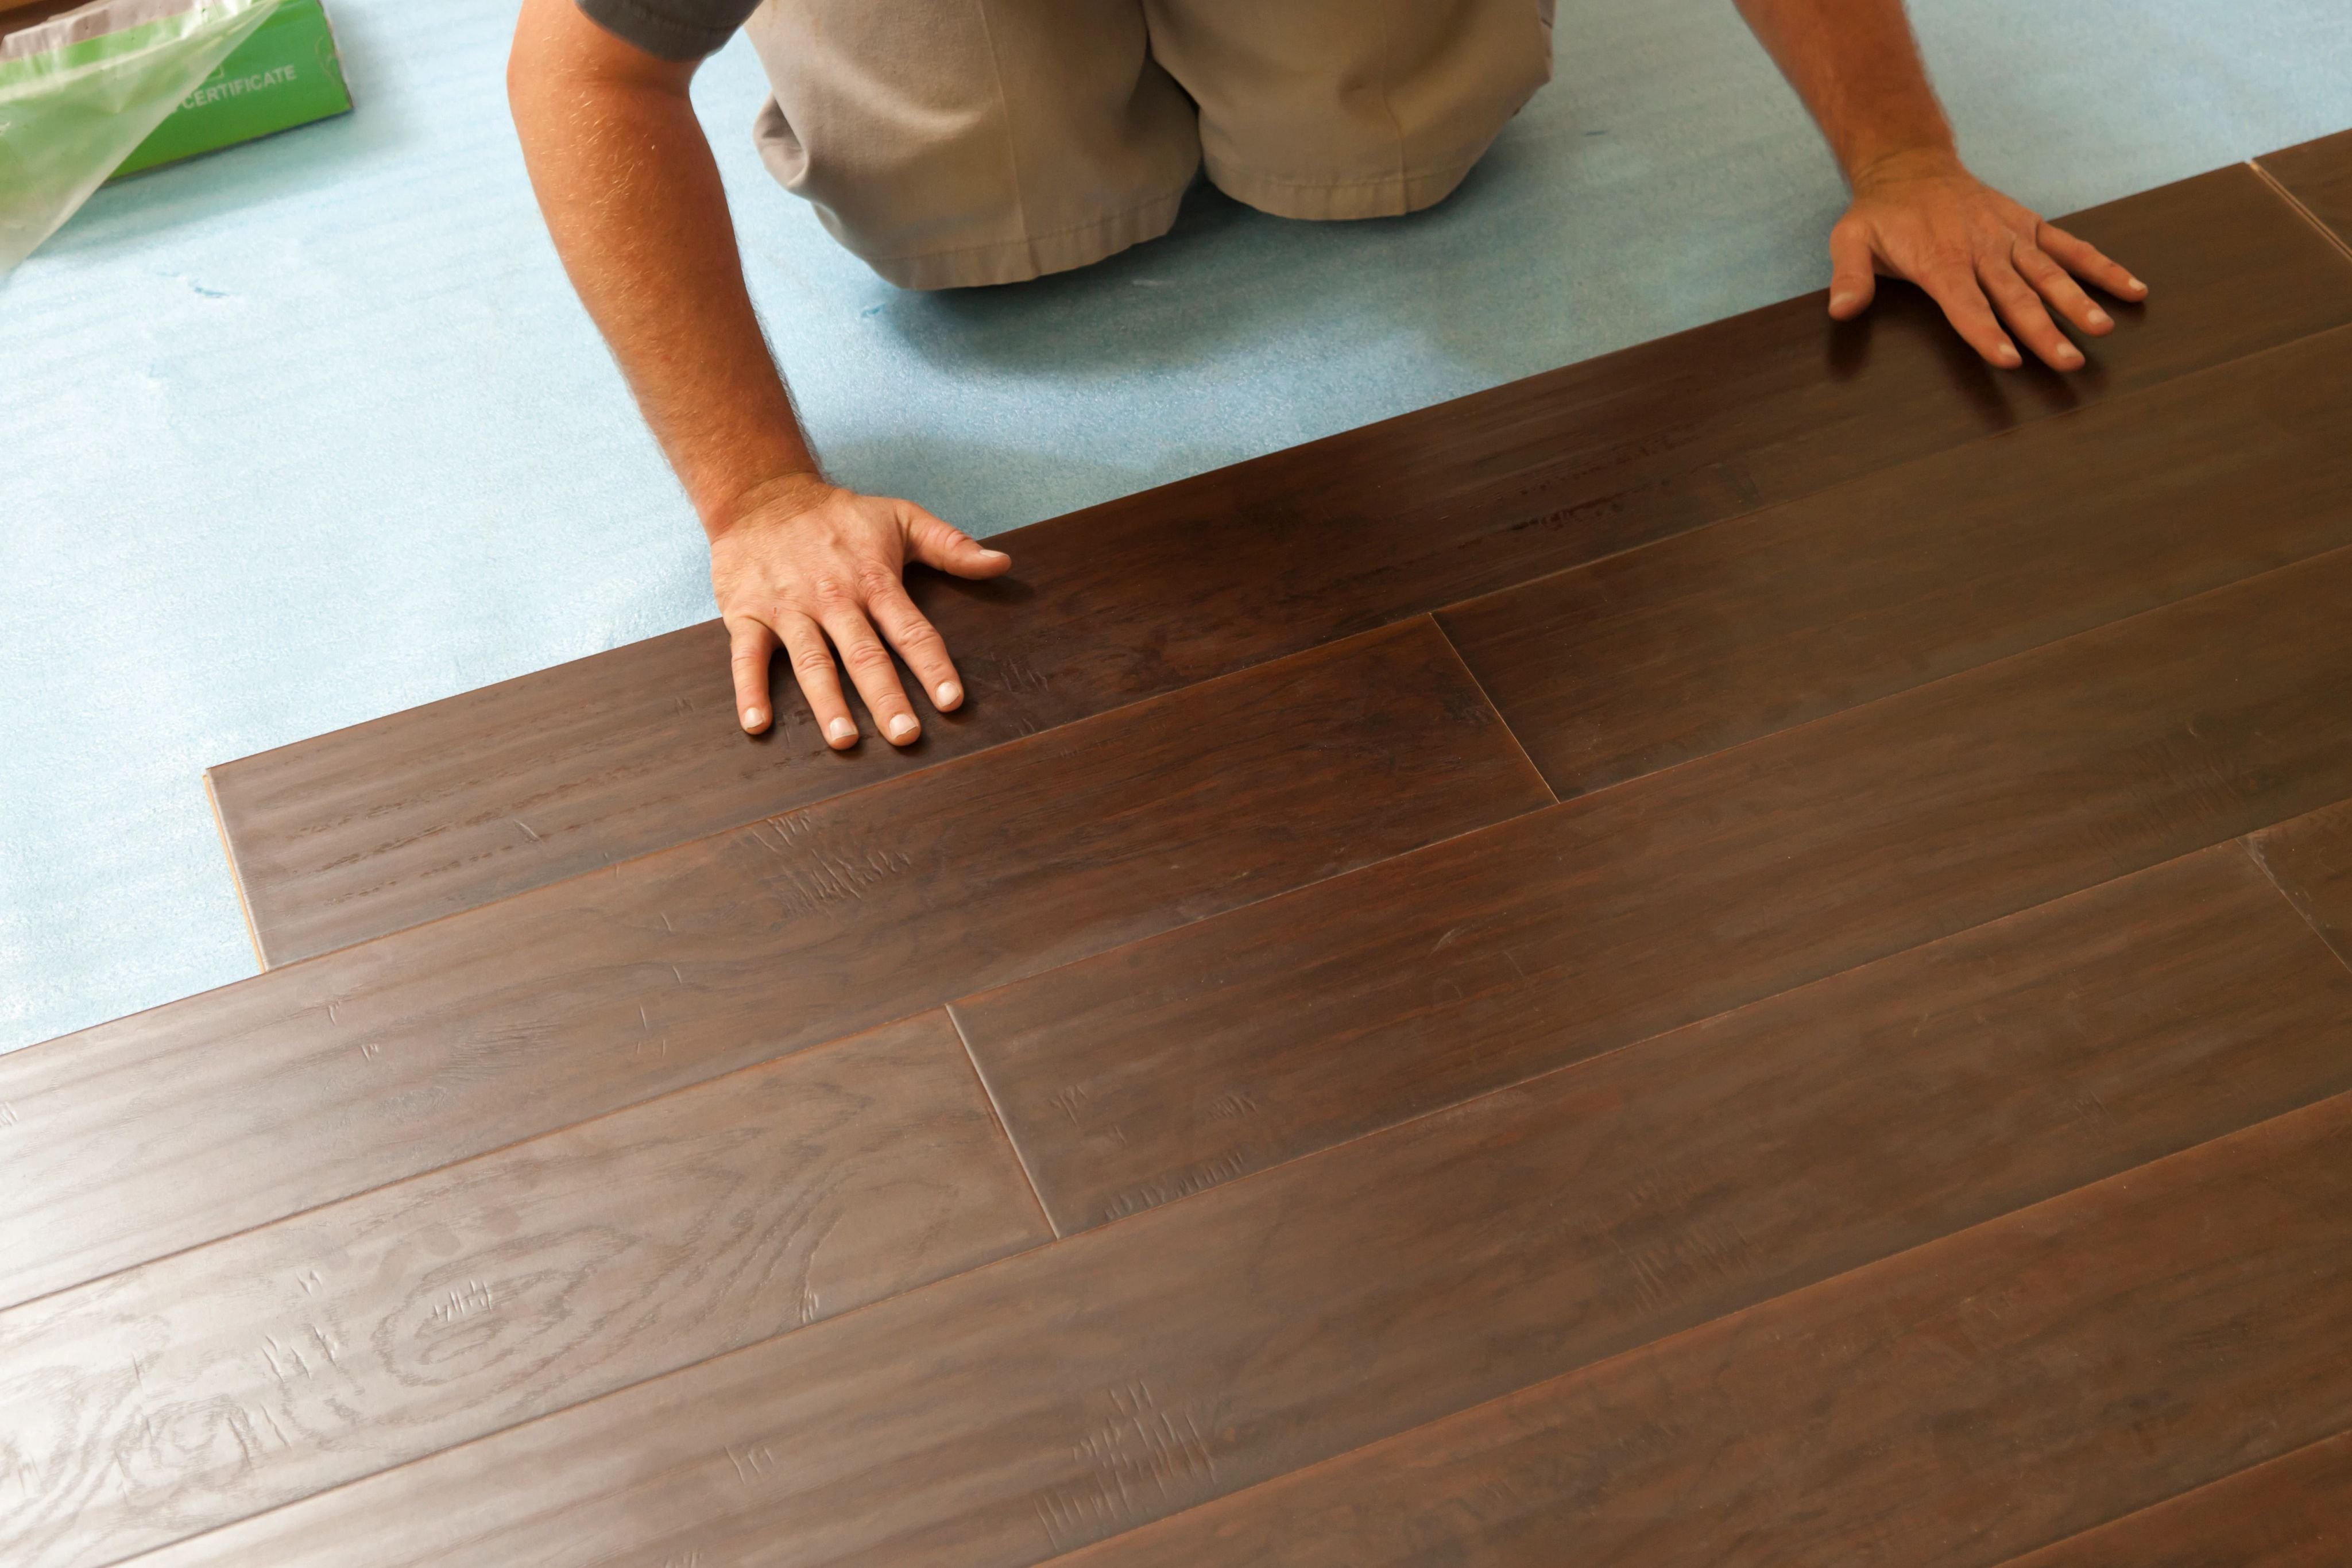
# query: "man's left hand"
1981, 256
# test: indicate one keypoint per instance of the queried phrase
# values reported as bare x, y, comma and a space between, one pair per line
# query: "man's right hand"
817, 567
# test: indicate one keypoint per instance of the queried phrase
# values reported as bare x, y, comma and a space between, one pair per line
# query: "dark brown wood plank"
1150, 1072
198, 1390
1717, 636
381, 826
315, 1082
2319, 175
2311, 860
1941, 1409
1093, 1385
2294, 1512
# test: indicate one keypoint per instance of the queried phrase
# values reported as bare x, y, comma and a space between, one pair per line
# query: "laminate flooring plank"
1943, 1408
446, 807
1149, 1072
2292, 1512
321, 1080
2311, 860
1725, 634
2319, 175
1088, 1386
188, 1393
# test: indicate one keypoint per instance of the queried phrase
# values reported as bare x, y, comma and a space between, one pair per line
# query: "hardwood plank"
2319, 175
1093, 1385
315, 1082
1149, 1072
188, 1393
2311, 860
381, 826
1942, 1408
2292, 1512
1723, 634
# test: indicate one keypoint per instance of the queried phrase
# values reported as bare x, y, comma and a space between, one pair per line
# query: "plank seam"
972, 1058
2251, 844
235, 874
2176, 1497
2294, 202
1492, 705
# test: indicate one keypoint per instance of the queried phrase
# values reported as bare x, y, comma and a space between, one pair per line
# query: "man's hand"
1917, 212
800, 561
1924, 217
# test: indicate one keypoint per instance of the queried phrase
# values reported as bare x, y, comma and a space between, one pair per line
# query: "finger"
750, 646
2083, 259
1853, 277
2057, 286
950, 548
819, 682
1955, 289
2029, 322
919, 643
869, 663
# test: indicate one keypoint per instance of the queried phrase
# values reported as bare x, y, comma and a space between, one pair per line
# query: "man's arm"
633, 200
1918, 212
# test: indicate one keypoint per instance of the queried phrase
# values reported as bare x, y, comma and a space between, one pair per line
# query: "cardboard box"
286, 74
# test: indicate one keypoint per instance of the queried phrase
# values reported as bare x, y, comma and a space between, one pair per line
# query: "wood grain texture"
2292, 1512
1093, 1385
1152, 1071
2311, 860
1722, 634
2319, 174
188, 1393
321, 1080
448, 806
1941, 1409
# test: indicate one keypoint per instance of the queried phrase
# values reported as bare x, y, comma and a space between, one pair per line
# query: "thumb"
1852, 279
950, 548
749, 647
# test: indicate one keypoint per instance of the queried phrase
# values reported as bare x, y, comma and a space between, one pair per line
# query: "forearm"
633, 200
1857, 67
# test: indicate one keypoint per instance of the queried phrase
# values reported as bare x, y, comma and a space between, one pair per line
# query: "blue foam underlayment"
313, 430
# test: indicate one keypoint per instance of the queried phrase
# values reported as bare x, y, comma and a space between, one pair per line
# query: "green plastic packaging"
80, 91
286, 74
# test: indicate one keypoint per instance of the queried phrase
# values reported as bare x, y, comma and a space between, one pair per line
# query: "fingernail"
2008, 356
753, 717
840, 729
901, 726
2100, 317
949, 694
2137, 287
1840, 301
2070, 359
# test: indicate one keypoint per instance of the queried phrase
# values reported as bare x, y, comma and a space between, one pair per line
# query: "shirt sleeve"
673, 29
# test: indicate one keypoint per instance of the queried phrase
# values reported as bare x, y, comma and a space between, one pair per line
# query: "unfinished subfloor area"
1730, 955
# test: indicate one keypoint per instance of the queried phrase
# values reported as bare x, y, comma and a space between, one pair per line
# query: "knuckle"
874, 580
830, 593
921, 634
813, 662
867, 659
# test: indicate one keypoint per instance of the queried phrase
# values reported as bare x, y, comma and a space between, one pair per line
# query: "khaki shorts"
953, 142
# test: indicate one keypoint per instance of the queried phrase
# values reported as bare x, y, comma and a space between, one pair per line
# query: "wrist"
786, 491
1931, 159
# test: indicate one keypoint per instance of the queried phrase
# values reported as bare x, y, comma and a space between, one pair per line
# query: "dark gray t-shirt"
674, 29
